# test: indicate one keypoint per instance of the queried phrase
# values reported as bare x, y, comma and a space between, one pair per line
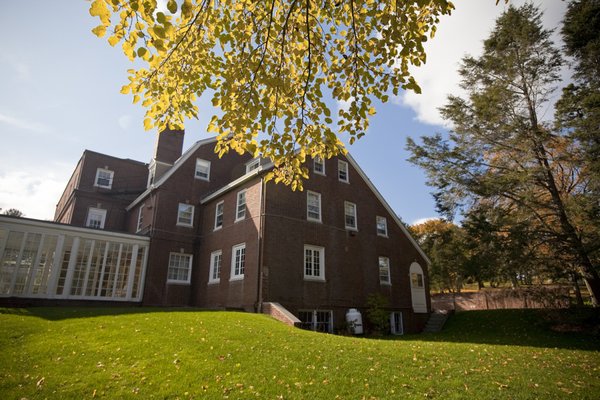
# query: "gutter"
261, 245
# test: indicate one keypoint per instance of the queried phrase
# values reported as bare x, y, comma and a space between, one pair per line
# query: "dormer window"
104, 178
202, 169
252, 165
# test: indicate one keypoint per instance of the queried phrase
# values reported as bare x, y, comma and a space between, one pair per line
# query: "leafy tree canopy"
13, 212
268, 66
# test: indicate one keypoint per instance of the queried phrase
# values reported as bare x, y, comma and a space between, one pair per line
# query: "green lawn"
81, 353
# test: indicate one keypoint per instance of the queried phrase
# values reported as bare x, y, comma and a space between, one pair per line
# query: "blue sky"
59, 95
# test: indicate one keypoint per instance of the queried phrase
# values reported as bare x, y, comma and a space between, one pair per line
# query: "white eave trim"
388, 208
53, 226
242, 179
184, 157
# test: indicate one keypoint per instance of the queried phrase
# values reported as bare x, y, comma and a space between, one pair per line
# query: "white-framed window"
350, 215
140, 221
396, 323
202, 169
240, 209
95, 218
238, 261
216, 257
185, 215
384, 271
416, 280
252, 165
318, 166
343, 171
219, 215
314, 263
313, 206
104, 178
381, 223
180, 268
316, 320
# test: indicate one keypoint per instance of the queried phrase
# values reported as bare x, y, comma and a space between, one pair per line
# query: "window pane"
219, 215
202, 169
241, 206
186, 214
179, 267
381, 226
313, 206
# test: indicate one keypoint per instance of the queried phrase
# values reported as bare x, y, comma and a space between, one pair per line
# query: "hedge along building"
221, 237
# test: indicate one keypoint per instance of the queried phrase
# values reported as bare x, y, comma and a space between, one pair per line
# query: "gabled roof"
362, 174
178, 163
388, 208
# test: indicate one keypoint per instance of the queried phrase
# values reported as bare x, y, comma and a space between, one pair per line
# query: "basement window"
316, 320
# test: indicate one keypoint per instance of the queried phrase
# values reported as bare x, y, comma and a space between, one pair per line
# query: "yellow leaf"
172, 6
99, 31
113, 40
98, 9
148, 124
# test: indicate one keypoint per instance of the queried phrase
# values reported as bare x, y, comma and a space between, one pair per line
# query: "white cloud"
460, 34
344, 104
33, 191
423, 220
125, 121
21, 69
24, 124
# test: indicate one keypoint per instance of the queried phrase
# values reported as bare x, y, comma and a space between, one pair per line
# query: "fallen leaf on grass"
40, 383
501, 385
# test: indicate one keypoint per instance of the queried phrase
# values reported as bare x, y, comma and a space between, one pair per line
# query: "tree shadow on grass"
63, 313
575, 329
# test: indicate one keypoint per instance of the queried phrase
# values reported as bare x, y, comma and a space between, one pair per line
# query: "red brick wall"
351, 258
241, 294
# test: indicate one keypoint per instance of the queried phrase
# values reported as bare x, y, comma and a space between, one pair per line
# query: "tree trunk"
578, 296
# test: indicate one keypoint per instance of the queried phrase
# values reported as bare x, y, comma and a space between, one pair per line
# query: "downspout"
261, 245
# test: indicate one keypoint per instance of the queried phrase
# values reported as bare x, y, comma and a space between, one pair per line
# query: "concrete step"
436, 322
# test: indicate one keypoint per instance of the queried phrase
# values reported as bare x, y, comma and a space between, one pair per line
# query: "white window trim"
308, 217
140, 219
320, 161
252, 165
345, 164
377, 227
321, 276
212, 267
234, 249
179, 223
202, 163
111, 173
221, 203
389, 272
350, 227
189, 269
238, 204
99, 211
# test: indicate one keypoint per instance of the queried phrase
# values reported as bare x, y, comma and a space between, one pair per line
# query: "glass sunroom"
41, 259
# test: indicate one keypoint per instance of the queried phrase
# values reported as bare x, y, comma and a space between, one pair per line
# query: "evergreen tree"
501, 155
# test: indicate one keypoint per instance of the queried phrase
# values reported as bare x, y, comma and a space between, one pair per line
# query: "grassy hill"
62, 353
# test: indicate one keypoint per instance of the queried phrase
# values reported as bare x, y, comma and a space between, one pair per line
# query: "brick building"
221, 237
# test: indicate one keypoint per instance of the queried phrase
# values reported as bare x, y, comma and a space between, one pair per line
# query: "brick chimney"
168, 148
